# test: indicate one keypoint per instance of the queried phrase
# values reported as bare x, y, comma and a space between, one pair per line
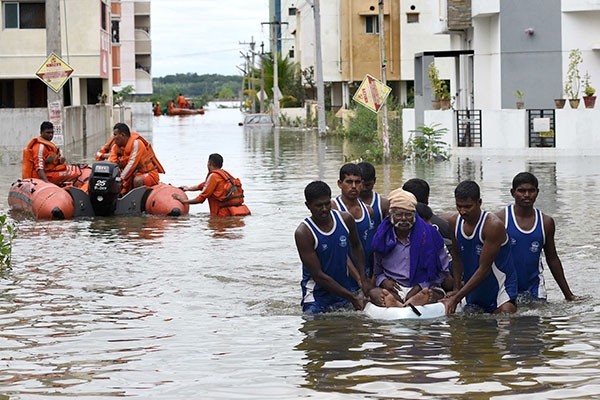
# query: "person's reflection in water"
492, 349
332, 348
226, 228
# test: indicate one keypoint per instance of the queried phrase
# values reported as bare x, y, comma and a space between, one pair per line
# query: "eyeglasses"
402, 214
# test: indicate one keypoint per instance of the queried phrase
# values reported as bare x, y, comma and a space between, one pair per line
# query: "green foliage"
8, 232
573, 83
438, 86
426, 143
588, 89
200, 89
519, 94
362, 126
123, 95
289, 80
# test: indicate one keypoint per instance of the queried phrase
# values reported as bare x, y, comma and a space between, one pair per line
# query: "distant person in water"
224, 192
530, 232
325, 240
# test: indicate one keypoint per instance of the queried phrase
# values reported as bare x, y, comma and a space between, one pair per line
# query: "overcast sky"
204, 36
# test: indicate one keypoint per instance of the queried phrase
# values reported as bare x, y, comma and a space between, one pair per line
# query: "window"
292, 11
23, 15
412, 18
372, 24
291, 52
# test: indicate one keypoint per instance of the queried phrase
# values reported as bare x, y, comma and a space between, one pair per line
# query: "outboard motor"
105, 187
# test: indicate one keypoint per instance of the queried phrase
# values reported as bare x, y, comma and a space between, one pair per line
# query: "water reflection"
200, 307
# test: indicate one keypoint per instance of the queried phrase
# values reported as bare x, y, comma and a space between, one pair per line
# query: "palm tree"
289, 80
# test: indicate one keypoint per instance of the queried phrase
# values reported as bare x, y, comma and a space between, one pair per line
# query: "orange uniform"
41, 154
104, 153
215, 190
134, 159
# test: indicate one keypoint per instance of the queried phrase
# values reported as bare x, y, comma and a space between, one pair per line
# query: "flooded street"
204, 308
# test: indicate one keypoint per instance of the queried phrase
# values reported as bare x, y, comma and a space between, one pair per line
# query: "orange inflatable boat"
48, 201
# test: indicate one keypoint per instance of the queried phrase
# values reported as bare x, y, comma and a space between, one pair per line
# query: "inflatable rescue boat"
46, 200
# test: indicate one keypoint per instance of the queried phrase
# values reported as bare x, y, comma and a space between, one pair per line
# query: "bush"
8, 232
426, 143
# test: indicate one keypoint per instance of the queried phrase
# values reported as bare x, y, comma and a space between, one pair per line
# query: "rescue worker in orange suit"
104, 153
215, 188
135, 157
181, 101
43, 160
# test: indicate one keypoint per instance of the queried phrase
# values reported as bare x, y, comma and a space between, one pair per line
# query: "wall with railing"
572, 132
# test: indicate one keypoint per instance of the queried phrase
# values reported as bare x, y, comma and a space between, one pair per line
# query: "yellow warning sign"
372, 93
54, 72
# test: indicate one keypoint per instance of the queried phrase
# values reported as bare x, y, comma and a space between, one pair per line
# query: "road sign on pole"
54, 72
372, 93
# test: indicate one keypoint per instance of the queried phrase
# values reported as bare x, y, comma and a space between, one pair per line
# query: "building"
131, 46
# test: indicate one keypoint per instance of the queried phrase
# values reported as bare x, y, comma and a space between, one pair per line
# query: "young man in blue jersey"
530, 232
379, 204
350, 184
325, 241
482, 264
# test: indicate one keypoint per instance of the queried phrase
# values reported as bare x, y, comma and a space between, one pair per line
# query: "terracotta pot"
589, 101
559, 103
444, 104
574, 103
435, 104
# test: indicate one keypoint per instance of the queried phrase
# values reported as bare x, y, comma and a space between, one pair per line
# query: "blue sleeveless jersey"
332, 249
526, 249
366, 230
500, 285
377, 211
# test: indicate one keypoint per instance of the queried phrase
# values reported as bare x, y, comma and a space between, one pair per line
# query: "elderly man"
411, 260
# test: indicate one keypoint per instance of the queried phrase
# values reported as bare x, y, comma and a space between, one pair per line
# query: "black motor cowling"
105, 187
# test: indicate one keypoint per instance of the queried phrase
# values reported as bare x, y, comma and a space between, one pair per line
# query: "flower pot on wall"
589, 101
435, 104
520, 105
559, 103
444, 104
574, 103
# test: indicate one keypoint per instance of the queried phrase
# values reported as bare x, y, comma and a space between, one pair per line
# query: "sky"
205, 36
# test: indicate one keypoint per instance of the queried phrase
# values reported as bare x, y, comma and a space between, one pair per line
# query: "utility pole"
276, 93
262, 78
53, 45
250, 70
319, 70
384, 111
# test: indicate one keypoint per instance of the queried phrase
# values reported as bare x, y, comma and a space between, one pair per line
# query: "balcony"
141, 7
143, 82
143, 43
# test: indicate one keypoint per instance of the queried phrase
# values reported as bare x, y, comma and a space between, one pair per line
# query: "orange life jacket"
148, 161
233, 195
28, 162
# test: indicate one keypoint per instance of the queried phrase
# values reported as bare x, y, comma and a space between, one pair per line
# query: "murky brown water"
198, 308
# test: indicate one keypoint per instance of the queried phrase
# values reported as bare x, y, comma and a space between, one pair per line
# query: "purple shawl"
425, 246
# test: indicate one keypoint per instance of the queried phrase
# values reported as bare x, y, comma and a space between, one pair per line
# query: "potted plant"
439, 88
589, 99
436, 82
572, 85
519, 95
560, 101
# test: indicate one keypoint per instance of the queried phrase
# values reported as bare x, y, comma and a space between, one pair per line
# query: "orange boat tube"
43, 200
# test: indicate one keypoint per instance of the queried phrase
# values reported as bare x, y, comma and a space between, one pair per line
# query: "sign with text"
54, 72
372, 93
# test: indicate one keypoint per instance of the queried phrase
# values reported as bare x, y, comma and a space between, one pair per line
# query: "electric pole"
384, 115
250, 71
319, 70
53, 45
276, 92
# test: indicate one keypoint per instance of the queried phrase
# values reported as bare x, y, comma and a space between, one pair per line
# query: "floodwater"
200, 308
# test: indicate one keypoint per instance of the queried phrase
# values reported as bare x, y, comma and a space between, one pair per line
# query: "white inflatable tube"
428, 311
